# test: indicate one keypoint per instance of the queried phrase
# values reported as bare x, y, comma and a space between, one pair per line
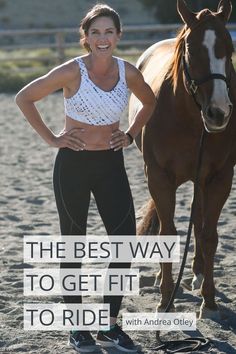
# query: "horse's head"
206, 60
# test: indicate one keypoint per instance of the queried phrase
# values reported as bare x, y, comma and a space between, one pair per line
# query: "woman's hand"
69, 139
119, 140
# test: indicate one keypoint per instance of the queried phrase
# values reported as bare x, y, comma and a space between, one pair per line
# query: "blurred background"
37, 35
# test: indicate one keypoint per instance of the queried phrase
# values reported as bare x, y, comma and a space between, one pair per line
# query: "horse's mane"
174, 68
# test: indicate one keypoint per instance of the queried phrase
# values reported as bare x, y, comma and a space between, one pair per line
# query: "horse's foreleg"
198, 260
162, 189
216, 193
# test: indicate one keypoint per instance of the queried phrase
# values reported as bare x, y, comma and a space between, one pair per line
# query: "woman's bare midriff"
95, 137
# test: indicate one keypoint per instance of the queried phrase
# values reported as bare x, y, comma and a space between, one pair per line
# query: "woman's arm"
144, 93
42, 87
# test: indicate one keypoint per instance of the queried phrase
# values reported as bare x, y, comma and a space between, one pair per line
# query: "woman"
90, 146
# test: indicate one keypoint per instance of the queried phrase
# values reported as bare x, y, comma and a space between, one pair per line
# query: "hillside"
15, 14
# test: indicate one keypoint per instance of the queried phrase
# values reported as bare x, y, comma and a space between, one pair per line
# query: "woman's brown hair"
99, 10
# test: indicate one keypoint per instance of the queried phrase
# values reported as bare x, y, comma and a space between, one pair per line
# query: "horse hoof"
197, 281
205, 312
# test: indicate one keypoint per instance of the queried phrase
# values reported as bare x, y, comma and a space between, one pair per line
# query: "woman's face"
102, 36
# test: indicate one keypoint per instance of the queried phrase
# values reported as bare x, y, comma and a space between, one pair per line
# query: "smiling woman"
90, 156
88, 25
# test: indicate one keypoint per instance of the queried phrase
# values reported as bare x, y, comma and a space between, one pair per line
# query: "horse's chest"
180, 160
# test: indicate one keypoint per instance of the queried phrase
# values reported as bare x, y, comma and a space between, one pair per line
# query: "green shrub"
5, 20
14, 81
2, 4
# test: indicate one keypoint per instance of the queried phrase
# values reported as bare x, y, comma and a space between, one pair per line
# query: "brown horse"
194, 82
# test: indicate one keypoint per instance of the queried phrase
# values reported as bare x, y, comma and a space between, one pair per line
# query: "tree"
165, 10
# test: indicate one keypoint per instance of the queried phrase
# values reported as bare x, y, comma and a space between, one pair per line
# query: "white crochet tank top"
92, 105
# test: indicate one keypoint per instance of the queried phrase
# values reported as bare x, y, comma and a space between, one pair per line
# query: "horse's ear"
224, 9
187, 16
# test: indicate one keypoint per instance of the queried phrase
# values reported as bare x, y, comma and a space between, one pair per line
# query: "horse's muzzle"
215, 120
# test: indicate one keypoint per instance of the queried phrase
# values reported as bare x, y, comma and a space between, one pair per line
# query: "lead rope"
195, 343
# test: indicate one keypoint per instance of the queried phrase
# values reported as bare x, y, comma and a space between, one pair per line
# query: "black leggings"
76, 175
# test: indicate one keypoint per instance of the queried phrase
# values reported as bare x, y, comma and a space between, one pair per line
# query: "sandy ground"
28, 208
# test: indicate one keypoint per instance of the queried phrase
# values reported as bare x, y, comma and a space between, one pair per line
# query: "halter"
194, 84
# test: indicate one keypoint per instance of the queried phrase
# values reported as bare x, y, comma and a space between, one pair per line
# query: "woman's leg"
115, 204
72, 198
